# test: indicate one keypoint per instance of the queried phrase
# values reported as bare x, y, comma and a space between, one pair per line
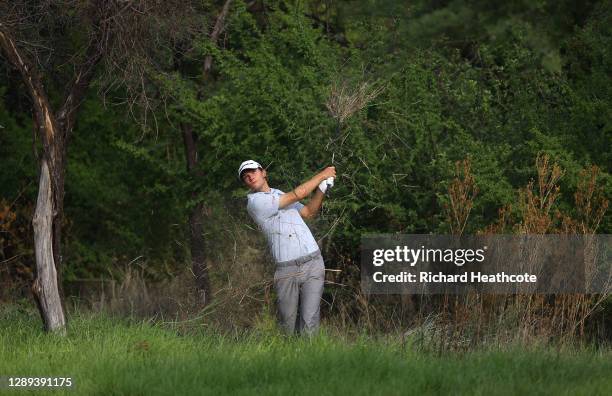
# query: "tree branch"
44, 116
214, 35
83, 77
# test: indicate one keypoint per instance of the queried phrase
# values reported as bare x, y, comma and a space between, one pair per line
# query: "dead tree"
53, 128
118, 32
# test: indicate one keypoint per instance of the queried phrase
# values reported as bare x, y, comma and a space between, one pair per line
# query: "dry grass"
241, 276
477, 318
460, 322
345, 100
461, 193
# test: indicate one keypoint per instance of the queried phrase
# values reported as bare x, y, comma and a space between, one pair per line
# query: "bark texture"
45, 286
196, 222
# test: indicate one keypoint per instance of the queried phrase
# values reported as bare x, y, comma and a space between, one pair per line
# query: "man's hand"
323, 186
314, 205
304, 190
326, 184
328, 172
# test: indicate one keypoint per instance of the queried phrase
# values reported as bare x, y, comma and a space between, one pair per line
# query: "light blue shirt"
288, 236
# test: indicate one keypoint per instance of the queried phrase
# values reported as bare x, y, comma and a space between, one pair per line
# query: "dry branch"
344, 101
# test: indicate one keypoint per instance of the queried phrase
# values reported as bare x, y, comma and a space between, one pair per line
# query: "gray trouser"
299, 287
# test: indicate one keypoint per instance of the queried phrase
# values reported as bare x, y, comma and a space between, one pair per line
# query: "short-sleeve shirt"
288, 236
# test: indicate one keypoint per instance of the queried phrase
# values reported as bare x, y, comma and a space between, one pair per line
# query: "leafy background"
497, 83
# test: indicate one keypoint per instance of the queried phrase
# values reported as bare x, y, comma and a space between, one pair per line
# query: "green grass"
110, 357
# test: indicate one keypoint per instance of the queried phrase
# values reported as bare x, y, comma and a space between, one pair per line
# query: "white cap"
249, 164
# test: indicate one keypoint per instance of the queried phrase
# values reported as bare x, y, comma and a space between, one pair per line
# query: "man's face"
255, 179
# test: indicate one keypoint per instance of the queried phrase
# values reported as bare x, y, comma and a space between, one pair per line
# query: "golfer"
300, 270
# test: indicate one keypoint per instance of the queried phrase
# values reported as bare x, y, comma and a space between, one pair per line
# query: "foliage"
462, 79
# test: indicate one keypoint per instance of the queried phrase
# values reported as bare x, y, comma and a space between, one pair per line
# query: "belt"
299, 260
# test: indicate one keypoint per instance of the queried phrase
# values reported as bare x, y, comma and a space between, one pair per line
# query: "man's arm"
304, 190
313, 206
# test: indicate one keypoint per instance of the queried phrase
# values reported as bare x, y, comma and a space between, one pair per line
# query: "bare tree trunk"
196, 216
53, 131
198, 253
196, 223
45, 285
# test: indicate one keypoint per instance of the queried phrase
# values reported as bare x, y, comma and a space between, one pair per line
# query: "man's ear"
265, 174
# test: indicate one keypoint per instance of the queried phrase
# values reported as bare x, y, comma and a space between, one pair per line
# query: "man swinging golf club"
300, 270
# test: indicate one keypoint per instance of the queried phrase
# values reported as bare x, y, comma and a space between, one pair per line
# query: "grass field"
111, 357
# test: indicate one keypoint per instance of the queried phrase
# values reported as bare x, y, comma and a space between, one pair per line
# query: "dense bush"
485, 85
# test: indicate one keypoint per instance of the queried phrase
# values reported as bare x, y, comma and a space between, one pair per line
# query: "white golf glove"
325, 184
